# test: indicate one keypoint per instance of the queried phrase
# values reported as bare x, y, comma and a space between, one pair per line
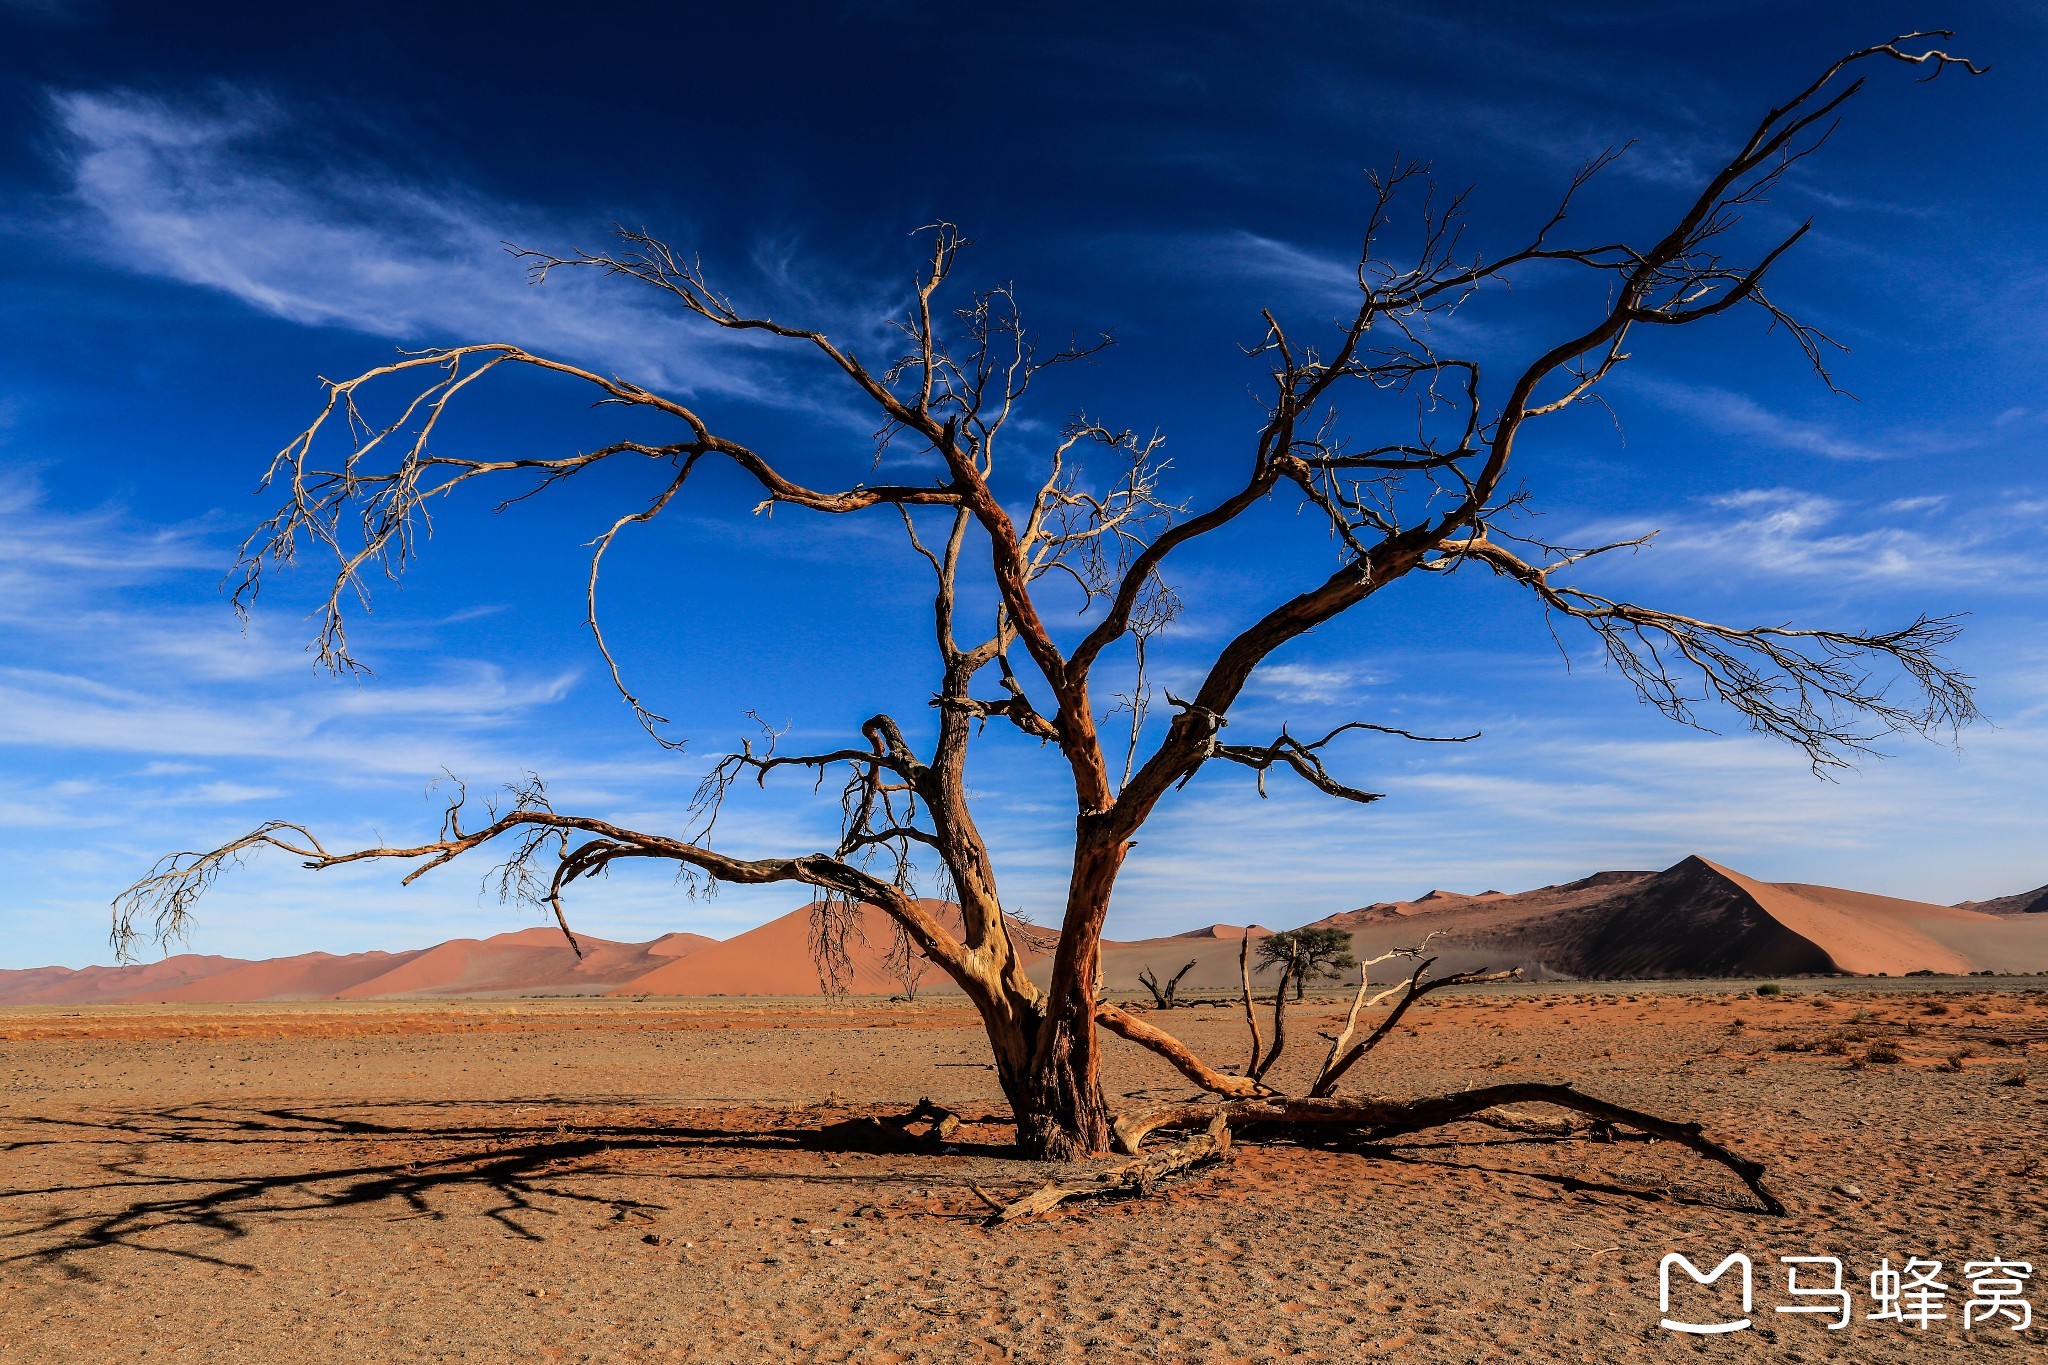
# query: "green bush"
1770, 988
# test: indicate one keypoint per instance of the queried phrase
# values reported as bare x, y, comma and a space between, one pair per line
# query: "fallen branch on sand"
1378, 1119
1137, 1177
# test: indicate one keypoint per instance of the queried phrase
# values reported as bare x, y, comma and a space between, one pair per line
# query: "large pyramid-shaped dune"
1694, 919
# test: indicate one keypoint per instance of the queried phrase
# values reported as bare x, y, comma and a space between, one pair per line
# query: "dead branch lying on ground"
1377, 1119
1136, 1177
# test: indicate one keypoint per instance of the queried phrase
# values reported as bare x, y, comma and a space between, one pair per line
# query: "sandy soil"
623, 1181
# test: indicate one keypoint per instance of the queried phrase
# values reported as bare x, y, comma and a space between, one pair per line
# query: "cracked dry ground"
625, 1181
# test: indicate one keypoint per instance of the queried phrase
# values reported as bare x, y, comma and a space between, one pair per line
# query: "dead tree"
1431, 497
1163, 996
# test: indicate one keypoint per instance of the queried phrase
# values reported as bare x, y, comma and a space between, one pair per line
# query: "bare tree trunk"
1060, 1111
1063, 1114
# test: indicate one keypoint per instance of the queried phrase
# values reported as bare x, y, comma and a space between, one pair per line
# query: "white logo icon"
1701, 1328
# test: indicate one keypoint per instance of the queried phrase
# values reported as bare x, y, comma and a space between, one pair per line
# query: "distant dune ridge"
1694, 919
2033, 902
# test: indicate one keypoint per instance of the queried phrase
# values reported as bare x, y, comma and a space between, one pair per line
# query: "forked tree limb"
1184, 1059
1387, 1118
1258, 1073
1359, 1002
1413, 989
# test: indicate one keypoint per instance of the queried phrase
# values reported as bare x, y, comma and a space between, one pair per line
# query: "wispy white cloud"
1735, 414
49, 557
1249, 255
193, 192
1786, 533
1312, 682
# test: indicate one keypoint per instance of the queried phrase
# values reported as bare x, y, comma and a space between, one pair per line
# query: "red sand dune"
309, 976
68, 986
1696, 918
2033, 902
535, 961
678, 945
775, 959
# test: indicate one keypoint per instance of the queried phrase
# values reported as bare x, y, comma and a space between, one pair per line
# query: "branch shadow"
1441, 1154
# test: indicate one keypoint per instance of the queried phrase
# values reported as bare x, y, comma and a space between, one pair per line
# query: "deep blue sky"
208, 207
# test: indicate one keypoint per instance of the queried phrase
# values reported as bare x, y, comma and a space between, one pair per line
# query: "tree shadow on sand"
530, 1164
535, 1159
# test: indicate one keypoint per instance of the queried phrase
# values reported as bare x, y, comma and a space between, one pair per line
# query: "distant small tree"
1048, 581
1302, 955
1305, 955
903, 961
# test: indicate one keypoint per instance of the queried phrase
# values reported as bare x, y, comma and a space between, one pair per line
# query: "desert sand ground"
627, 1181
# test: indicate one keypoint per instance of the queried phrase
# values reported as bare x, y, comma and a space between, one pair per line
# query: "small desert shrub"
1954, 1061
1736, 1025
1976, 1007
1884, 1052
2018, 1077
2001, 1042
1792, 1045
1915, 1028
1860, 1017
1934, 1007
1770, 988
1835, 1045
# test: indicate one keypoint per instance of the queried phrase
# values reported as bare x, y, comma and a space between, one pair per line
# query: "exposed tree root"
1137, 1177
1384, 1118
